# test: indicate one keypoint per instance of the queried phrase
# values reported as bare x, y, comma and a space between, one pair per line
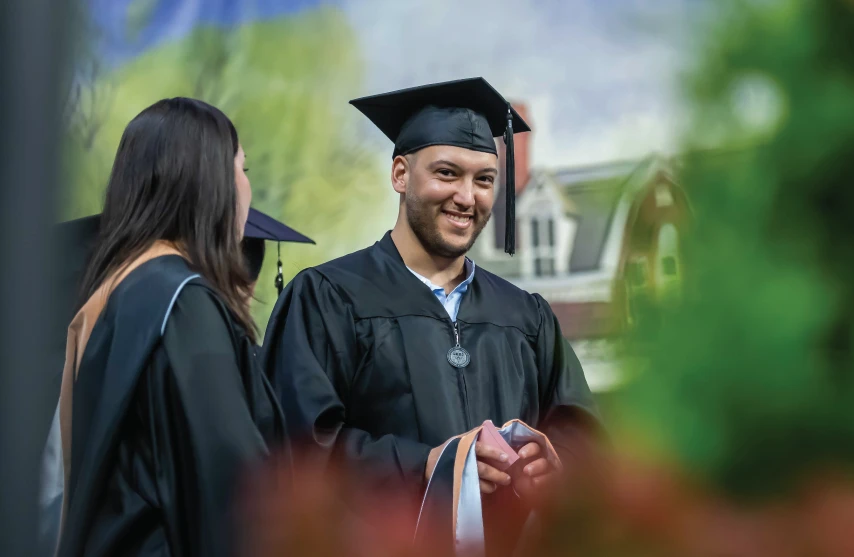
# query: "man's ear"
400, 171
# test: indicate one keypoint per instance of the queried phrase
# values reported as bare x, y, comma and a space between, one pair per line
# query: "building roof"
598, 197
594, 192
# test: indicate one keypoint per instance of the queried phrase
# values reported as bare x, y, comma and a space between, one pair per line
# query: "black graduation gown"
169, 408
357, 349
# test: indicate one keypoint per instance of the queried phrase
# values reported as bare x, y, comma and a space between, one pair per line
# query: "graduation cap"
79, 236
260, 227
466, 113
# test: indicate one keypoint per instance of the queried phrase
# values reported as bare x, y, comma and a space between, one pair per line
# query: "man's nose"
464, 196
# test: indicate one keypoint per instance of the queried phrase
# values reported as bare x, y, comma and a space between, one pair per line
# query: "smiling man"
381, 356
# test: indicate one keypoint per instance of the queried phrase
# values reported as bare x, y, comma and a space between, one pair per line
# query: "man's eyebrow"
455, 166
444, 162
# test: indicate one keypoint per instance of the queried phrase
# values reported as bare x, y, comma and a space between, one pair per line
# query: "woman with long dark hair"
161, 405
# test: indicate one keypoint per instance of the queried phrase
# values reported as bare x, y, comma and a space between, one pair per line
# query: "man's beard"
423, 223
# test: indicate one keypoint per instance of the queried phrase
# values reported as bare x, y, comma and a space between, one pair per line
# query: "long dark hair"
173, 180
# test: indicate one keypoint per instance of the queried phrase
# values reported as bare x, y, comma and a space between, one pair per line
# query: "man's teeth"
457, 218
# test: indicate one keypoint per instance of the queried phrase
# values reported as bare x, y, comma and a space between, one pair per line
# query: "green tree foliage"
749, 381
285, 83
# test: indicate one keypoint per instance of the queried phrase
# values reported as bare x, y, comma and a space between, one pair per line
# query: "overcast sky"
599, 76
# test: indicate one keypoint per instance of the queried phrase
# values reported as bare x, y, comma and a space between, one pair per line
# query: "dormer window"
637, 288
547, 222
668, 265
543, 246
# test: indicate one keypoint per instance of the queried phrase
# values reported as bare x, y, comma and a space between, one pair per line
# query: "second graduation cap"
260, 227
79, 236
466, 113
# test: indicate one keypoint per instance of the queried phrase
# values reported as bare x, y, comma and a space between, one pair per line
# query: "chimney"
521, 146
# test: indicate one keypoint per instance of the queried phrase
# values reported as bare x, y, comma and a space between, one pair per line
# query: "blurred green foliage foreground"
749, 384
738, 437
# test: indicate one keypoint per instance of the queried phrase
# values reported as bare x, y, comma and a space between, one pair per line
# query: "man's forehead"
459, 156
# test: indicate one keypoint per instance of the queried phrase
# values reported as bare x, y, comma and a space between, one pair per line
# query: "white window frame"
667, 246
546, 249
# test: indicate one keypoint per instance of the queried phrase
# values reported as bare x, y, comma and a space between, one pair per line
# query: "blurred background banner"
597, 81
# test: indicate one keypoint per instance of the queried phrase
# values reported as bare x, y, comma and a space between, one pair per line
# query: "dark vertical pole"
33, 43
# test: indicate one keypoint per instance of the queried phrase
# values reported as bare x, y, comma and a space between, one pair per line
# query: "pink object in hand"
490, 436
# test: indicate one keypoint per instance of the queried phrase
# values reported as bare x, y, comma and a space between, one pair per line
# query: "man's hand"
538, 477
490, 477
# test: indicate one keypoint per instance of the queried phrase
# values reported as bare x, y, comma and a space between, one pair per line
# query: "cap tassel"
280, 279
510, 187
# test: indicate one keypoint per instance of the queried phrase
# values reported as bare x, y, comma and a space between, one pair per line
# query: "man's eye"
445, 172
487, 179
